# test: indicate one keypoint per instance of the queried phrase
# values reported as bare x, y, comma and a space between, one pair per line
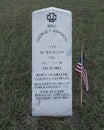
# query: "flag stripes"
85, 78
80, 69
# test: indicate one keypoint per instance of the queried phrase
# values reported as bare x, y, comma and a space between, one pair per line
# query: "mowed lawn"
15, 65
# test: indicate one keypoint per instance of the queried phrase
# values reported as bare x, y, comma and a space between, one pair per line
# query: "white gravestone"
51, 62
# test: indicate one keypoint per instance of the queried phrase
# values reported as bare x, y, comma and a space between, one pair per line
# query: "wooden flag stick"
81, 91
81, 76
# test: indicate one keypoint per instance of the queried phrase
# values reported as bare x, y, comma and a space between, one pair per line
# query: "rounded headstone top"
51, 9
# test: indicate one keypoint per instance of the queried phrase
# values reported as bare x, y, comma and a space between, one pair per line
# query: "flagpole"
81, 76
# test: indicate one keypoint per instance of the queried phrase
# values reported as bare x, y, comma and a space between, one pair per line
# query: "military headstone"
51, 62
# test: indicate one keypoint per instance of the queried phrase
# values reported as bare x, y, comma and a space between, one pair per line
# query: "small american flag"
80, 69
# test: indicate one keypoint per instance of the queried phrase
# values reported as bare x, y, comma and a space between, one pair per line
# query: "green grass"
15, 65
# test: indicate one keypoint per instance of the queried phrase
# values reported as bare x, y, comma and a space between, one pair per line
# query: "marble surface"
51, 62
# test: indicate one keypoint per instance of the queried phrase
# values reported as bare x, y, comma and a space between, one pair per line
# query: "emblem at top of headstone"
51, 17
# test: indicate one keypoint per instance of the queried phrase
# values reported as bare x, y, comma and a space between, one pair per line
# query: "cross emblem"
51, 17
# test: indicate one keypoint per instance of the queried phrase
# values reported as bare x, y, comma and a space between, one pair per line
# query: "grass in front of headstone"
15, 65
